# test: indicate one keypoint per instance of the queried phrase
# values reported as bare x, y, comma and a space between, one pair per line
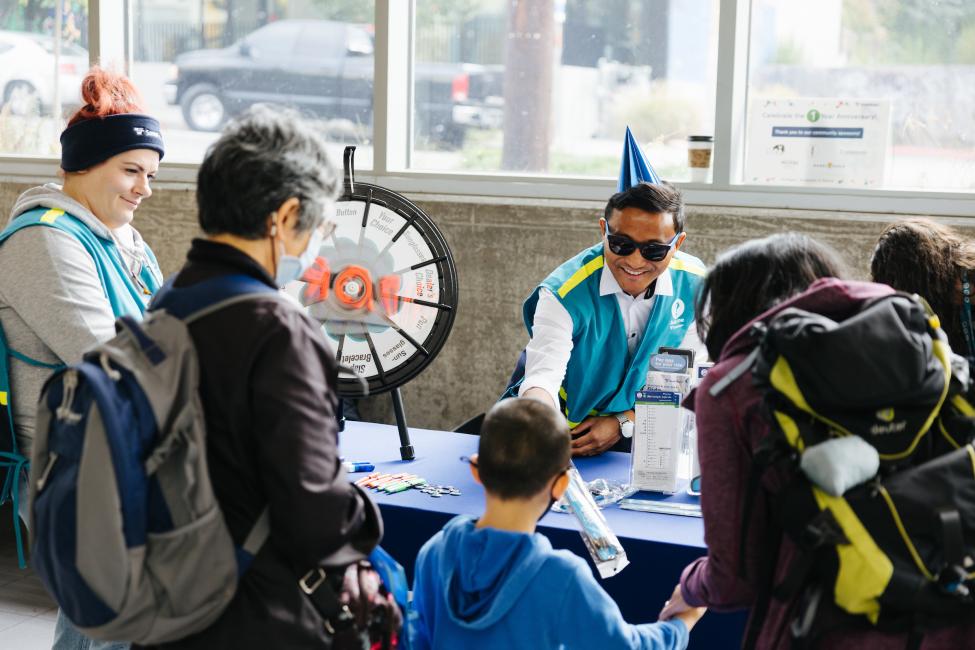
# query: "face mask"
551, 502
551, 499
291, 268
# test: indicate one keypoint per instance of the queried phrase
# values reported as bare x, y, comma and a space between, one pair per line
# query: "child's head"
523, 451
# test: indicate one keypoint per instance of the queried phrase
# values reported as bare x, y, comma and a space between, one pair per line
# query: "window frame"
110, 39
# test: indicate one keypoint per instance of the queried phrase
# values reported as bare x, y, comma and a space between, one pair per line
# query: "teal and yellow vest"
122, 292
602, 377
126, 297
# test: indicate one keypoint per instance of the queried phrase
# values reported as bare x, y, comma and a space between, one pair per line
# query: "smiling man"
595, 320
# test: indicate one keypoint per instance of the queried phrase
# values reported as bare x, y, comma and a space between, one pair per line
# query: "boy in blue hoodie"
494, 582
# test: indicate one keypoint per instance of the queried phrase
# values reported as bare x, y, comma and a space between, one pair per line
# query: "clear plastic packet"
605, 492
604, 547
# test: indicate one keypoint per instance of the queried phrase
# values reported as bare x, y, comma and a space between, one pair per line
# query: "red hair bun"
106, 93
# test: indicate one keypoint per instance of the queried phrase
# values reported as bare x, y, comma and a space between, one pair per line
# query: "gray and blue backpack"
127, 534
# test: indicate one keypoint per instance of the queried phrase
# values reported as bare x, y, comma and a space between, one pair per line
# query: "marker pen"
353, 467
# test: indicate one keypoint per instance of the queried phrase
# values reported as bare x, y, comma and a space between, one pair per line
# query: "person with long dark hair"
934, 261
747, 559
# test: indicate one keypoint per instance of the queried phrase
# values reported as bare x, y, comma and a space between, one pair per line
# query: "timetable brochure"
659, 432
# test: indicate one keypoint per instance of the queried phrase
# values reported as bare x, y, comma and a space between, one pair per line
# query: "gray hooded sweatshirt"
52, 304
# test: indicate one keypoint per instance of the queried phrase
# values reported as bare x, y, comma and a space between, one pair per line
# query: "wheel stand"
406, 446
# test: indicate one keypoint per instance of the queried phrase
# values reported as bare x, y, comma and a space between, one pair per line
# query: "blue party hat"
634, 169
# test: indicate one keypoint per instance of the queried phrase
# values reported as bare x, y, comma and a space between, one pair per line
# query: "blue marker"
352, 467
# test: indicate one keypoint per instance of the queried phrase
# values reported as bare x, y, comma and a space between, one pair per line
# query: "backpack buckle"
951, 581
823, 529
312, 580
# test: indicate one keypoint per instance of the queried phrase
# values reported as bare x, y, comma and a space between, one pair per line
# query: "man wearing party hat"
597, 318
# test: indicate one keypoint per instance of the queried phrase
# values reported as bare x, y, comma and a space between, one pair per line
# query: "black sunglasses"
652, 251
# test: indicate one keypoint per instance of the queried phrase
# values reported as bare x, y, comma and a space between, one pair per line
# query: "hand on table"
677, 607
599, 433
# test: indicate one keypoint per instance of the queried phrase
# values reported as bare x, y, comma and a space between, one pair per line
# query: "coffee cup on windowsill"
699, 157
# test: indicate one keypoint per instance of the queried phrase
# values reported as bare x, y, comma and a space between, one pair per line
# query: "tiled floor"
27, 613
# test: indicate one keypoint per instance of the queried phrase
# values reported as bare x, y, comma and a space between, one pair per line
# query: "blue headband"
87, 143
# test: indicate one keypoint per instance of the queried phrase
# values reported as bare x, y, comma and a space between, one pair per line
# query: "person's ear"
680, 241
602, 226
474, 472
287, 215
560, 486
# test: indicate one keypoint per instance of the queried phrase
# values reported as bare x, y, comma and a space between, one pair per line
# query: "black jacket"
268, 390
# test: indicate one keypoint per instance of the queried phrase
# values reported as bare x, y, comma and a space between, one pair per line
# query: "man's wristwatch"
626, 427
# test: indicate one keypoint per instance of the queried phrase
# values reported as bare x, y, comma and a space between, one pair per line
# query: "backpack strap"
13, 464
254, 541
194, 302
203, 298
746, 364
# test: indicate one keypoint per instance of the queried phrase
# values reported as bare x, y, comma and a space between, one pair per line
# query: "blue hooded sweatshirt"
490, 588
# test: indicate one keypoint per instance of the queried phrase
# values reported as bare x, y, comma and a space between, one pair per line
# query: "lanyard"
966, 317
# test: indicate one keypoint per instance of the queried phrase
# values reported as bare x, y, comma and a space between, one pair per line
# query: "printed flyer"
818, 142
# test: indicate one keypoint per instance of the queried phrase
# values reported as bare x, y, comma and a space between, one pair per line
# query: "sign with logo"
817, 142
677, 309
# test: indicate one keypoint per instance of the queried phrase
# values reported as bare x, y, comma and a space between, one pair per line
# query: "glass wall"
200, 62
549, 86
42, 62
862, 93
840, 94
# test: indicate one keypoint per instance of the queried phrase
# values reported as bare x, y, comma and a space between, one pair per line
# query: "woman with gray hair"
268, 383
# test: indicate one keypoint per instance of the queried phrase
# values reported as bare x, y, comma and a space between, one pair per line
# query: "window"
838, 104
271, 44
862, 93
549, 86
40, 84
198, 63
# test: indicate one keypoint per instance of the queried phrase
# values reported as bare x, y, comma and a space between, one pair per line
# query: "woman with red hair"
71, 263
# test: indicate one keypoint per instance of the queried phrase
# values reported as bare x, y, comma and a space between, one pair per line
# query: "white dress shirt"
550, 347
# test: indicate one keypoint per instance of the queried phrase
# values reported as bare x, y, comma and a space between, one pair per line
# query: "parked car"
325, 68
27, 73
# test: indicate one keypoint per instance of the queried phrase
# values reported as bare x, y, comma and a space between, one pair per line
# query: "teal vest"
122, 292
120, 289
601, 377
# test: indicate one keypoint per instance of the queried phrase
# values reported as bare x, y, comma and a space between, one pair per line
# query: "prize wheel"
384, 288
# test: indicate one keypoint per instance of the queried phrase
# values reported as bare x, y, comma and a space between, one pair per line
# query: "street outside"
929, 168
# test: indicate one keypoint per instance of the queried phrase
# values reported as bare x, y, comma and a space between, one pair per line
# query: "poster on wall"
816, 141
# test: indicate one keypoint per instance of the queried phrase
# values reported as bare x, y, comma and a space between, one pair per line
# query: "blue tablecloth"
658, 546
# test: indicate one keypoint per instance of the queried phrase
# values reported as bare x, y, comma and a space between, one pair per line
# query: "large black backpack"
895, 552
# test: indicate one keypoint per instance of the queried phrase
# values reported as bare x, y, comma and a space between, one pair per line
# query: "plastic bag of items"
604, 547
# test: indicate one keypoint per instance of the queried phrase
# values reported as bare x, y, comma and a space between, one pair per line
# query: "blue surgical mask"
291, 268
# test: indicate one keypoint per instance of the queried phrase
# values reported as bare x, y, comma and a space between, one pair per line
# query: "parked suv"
325, 68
